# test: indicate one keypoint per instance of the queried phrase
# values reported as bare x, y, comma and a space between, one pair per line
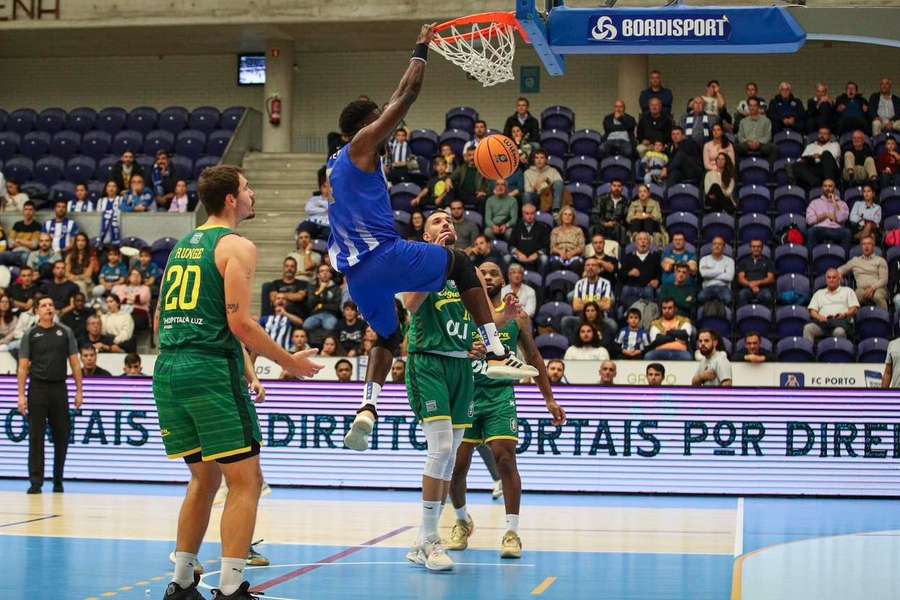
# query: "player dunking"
376, 261
495, 424
205, 413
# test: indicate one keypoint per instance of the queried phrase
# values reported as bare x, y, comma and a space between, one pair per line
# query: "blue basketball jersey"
360, 215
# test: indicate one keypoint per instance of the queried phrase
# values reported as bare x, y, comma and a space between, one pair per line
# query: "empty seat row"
114, 119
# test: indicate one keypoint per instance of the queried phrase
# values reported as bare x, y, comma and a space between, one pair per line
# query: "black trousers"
47, 401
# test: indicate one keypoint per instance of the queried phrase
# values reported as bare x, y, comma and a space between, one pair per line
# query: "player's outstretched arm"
533, 357
236, 257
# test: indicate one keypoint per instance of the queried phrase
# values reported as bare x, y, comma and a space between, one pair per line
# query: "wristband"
420, 53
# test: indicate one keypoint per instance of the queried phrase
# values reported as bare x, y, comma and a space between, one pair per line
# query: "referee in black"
45, 349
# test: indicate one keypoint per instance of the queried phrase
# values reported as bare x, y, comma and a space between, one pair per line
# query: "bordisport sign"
707, 28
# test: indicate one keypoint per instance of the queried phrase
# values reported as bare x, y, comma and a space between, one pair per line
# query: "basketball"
497, 157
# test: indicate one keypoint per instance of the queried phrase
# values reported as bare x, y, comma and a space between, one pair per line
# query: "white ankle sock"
370, 394
232, 575
488, 332
462, 514
431, 515
184, 568
512, 523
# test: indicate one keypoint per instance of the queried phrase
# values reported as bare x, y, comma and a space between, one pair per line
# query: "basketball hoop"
482, 45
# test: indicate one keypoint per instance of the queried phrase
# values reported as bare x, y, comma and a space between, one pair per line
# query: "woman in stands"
12, 198
416, 227
645, 214
449, 157
8, 320
525, 148
865, 217
180, 200
567, 242
136, 294
81, 263
594, 316
587, 347
329, 346
717, 145
718, 185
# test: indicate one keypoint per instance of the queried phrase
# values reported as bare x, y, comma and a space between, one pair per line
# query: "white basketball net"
485, 51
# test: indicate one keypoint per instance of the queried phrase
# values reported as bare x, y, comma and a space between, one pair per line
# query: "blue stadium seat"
534, 279
456, 138
104, 167
557, 163
473, 216
501, 247
585, 142
789, 320
783, 221
554, 310
127, 140
401, 222
80, 169
790, 143
19, 168
95, 189
792, 282
36, 190
4, 117
813, 193
552, 345
616, 167
754, 170
546, 218
890, 201
604, 188
555, 142
146, 162
112, 119
780, 170
96, 144
461, 117
9, 144
424, 142
81, 119
891, 223
583, 220
160, 250
134, 242
872, 350
203, 162
717, 224
175, 118
402, 194
190, 143
744, 250
143, 119
65, 144
35, 144
205, 119
184, 166
49, 169
794, 349
62, 190
217, 142
21, 121
827, 256
721, 325
764, 344
51, 120
754, 317
754, 198
159, 139
683, 197
231, 117
835, 350
790, 199
852, 194
558, 117
569, 277
582, 169
791, 258
872, 321
754, 226
582, 196
685, 223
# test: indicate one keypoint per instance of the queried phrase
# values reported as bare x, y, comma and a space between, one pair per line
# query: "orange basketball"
497, 157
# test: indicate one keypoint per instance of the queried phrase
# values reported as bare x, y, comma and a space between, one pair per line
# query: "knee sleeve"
448, 468
462, 271
439, 437
392, 343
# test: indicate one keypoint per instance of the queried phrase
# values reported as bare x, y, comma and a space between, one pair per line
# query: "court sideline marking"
544, 585
45, 517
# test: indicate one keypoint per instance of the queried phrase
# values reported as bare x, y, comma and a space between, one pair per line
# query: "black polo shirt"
49, 350
755, 270
62, 293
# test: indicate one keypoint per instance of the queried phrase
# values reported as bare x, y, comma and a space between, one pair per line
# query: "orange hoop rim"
504, 18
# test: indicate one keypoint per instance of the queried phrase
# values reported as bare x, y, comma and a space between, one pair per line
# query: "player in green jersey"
496, 425
206, 417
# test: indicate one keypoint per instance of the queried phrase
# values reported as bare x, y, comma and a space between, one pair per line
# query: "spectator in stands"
112, 273
483, 251
682, 290
852, 110
543, 183
556, 372
756, 276
330, 346
299, 341
697, 123
521, 290
8, 320
884, 108
446, 152
305, 258
24, 237
125, 169
149, 270
606, 254
517, 135
608, 213
400, 159
82, 202
89, 366
101, 342
786, 111
645, 215
655, 374
607, 373
656, 90
76, 319
23, 291
655, 125
163, 180
118, 324
865, 216
479, 132
820, 110
713, 368
350, 330
316, 222
416, 226
524, 119
27, 319
831, 309
751, 90
591, 288
110, 209
871, 274
132, 365
827, 218
641, 272
889, 164
293, 289
135, 293
180, 198
754, 136
344, 370
398, 371
466, 231
323, 302
567, 242
670, 335
654, 163
718, 186
42, 259
529, 241
138, 198
678, 254
717, 272
714, 103
13, 198
501, 213
618, 129
281, 323
438, 189
61, 228
859, 161
587, 346
468, 183
718, 144
60, 290
753, 351
596, 318
818, 162
633, 340
685, 164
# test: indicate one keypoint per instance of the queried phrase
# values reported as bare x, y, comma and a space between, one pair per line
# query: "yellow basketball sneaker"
460, 534
511, 546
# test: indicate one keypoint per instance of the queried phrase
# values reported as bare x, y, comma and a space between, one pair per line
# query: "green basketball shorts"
440, 387
495, 416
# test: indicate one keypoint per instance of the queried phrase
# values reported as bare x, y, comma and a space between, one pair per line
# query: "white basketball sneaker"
358, 436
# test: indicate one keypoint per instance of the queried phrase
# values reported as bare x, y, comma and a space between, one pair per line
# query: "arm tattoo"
232, 308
